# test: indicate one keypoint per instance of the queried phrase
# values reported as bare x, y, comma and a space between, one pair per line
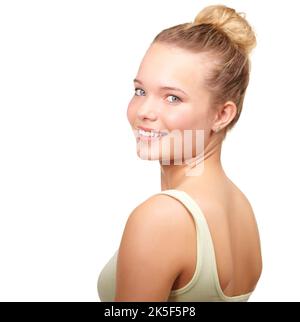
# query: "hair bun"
230, 22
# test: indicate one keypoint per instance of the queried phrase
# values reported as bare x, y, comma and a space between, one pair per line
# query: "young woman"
197, 239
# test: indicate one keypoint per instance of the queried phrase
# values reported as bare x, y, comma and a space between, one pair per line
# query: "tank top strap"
190, 204
205, 250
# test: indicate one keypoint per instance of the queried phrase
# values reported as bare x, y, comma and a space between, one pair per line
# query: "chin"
145, 155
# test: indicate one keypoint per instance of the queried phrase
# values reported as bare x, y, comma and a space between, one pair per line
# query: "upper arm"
151, 251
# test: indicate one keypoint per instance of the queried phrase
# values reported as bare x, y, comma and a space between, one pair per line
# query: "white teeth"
149, 134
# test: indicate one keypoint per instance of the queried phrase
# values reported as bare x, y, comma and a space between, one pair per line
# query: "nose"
147, 111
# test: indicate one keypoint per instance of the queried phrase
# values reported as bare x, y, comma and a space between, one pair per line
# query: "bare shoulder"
151, 250
157, 214
159, 207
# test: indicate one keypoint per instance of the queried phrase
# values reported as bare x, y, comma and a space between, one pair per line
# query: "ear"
224, 116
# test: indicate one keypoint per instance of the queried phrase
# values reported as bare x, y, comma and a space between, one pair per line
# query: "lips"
147, 129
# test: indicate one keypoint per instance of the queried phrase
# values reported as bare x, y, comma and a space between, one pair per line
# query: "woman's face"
171, 111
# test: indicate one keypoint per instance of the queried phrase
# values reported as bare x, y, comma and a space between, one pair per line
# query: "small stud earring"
217, 129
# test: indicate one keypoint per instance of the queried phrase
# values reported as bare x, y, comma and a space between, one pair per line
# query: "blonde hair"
227, 36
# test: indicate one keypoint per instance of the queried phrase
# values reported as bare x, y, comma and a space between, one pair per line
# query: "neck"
194, 171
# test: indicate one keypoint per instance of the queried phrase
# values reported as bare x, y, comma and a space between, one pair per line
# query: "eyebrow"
164, 87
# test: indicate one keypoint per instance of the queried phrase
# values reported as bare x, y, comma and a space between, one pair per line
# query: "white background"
69, 173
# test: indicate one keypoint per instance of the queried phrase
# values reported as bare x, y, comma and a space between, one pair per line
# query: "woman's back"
234, 233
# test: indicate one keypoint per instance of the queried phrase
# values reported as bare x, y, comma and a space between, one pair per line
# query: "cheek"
180, 120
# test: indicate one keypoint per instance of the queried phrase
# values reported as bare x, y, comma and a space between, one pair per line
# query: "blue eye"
136, 89
177, 98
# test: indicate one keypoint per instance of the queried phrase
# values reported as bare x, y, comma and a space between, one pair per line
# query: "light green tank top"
204, 285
